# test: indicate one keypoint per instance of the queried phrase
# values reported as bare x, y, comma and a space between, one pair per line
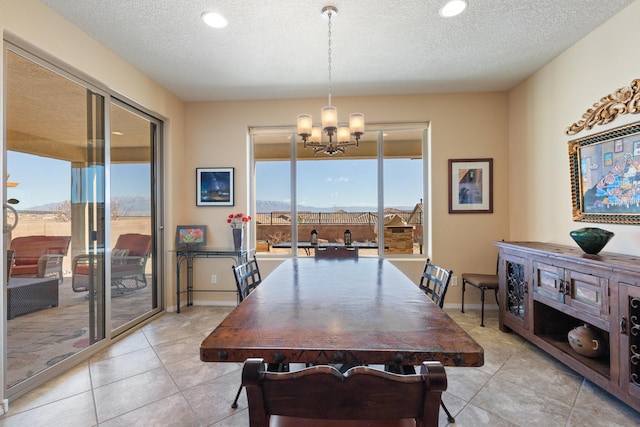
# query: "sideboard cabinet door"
514, 292
630, 338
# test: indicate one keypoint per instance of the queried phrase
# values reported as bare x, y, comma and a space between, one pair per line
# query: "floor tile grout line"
491, 377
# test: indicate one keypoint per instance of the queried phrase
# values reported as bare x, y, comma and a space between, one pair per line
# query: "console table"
26, 295
188, 255
546, 290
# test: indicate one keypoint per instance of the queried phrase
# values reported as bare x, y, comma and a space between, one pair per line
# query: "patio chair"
128, 263
363, 396
39, 256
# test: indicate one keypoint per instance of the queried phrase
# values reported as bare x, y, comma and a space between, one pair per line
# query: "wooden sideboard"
546, 290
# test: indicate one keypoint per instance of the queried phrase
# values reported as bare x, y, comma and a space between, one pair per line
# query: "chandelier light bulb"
305, 123
356, 123
329, 117
316, 134
343, 133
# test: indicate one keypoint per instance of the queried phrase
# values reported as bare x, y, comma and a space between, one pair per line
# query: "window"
331, 195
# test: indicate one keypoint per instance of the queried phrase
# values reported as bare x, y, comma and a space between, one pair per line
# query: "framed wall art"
214, 187
191, 235
470, 185
605, 176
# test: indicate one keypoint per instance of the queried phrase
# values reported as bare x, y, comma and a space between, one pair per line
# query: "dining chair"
483, 282
322, 396
434, 282
247, 277
336, 252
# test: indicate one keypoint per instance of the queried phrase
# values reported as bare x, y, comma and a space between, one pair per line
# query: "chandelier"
339, 134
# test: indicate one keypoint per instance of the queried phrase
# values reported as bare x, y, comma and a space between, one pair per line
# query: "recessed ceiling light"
453, 8
214, 19
115, 132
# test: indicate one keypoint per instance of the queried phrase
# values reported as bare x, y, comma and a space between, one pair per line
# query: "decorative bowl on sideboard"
591, 239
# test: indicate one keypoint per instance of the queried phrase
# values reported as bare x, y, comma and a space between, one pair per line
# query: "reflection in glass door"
133, 285
55, 159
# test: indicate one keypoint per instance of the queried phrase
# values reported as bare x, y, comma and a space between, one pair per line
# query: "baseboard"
172, 309
487, 307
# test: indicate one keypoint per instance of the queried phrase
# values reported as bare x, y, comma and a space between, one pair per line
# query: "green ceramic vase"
591, 239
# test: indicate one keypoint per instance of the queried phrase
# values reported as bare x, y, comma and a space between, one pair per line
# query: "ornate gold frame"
614, 198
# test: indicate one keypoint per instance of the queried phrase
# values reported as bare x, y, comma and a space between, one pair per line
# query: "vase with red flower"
238, 221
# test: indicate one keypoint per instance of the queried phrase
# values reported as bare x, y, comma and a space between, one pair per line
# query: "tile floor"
154, 378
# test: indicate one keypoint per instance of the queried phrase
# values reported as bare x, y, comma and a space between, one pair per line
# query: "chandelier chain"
329, 54
339, 133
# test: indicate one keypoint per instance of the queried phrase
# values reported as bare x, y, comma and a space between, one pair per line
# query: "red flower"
237, 220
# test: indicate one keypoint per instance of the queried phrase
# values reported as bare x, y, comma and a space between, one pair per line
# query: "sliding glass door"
133, 289
55, 162
83, 183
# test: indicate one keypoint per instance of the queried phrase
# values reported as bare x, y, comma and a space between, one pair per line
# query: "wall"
542, 107
471, 125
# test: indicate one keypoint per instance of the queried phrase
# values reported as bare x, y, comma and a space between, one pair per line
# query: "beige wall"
522, 131
540, 110
463, 126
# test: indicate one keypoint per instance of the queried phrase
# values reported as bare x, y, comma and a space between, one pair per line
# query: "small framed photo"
214, 187
618, 146
191, 235
470, 185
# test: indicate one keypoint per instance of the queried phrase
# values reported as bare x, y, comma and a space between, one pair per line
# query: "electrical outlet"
214, 279
454, 280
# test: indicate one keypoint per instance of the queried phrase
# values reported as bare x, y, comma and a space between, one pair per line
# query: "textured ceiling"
278, 49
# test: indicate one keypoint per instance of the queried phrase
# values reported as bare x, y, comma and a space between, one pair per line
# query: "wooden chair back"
435, 281
322, 393
335, 252
247, 277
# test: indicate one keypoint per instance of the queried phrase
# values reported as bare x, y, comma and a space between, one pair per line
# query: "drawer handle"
623, 325
565, 287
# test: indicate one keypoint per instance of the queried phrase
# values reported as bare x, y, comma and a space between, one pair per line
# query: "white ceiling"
278, 49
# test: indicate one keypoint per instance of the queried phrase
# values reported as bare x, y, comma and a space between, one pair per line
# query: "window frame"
379, 128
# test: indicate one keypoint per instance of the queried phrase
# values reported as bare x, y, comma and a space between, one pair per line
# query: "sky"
341, 182
326, 183
44, 180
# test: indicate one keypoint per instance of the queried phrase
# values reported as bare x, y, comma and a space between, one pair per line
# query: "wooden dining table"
350, 311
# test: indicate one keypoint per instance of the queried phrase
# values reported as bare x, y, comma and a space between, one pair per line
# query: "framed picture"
618, 146
214, 187
605, 176
470, 185
191, 235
